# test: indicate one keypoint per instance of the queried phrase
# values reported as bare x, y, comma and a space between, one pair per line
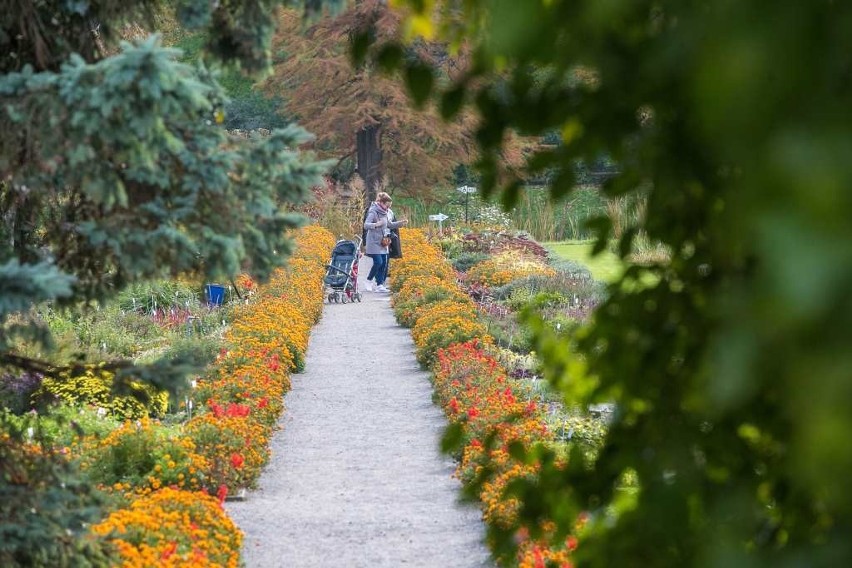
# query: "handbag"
386, 241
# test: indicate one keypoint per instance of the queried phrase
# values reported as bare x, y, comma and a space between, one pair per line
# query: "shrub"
173, 528
467, 259
196, 350
234, 445
419, 292
442, 324
579, 290
506, 266
508, 332
94, 388
143, 457
65, 425
46, 507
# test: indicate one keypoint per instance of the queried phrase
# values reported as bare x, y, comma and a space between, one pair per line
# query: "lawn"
606, 266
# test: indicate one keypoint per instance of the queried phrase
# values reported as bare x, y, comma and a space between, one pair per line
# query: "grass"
606, 266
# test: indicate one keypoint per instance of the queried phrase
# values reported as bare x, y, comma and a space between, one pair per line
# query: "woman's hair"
383, 197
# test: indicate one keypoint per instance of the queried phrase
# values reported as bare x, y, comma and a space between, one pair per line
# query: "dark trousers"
379, 271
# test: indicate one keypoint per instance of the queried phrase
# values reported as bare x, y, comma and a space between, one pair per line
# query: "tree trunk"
368, 150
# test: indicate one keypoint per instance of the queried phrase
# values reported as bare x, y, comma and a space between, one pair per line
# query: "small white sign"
466, 189
439, 217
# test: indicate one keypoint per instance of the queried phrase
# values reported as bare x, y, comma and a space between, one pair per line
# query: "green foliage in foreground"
730, 371
46, 506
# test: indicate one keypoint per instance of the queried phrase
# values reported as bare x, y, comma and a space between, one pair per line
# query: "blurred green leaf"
419, 79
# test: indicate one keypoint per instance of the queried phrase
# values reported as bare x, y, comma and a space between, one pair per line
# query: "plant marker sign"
440, 218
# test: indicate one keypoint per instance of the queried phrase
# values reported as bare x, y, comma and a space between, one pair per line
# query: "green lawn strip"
606, 266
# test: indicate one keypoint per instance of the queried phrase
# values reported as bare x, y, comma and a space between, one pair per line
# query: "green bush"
197, 350
63, 425
46, 506
144, 455
562, 283
508, 333
467, 259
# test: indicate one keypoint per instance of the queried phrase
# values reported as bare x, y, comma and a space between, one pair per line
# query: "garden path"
356, 476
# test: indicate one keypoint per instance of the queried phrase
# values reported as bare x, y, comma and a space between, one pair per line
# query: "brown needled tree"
362, 114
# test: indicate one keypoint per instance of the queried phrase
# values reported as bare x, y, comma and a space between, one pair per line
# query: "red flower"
571, 543
170, 549
472, 412
237, 460
222, 493
454, 405
263, 403
238, 410
539, 558
217, 410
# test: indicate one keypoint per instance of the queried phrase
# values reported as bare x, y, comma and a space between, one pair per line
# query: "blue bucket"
215, 294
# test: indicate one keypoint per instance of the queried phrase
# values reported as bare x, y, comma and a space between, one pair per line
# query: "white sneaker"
368, 286
381, 288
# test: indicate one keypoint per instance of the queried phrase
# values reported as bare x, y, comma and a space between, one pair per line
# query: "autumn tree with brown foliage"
360, 114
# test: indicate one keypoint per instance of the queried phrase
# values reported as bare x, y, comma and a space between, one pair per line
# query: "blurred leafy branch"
731, 373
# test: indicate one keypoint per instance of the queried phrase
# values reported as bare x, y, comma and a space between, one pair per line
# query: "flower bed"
173, 528
224, 447
477, 394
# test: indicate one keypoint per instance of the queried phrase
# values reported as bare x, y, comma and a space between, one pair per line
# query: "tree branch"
50, 370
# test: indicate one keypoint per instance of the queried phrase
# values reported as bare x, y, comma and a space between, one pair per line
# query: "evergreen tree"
114, 167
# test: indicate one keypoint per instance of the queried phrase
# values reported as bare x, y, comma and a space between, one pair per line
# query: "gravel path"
356, 476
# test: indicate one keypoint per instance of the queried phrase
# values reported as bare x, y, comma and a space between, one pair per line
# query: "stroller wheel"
343, 298
330, 298
358, 297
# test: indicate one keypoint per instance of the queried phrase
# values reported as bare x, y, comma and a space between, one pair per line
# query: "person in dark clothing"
395, 248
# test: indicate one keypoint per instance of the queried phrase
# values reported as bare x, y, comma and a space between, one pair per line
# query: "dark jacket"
395, 248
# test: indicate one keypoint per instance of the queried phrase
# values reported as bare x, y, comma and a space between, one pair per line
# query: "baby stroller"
341, 277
